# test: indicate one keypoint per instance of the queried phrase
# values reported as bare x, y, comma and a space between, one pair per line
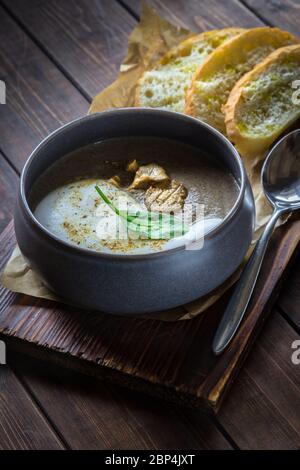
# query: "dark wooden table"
55, 55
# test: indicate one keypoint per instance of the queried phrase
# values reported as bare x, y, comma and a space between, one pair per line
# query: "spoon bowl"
281, 172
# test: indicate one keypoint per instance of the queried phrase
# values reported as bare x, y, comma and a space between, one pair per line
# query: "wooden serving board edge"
99, 371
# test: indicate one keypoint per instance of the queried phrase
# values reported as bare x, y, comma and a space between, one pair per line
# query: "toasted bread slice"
261, 105
165, 85
213, 81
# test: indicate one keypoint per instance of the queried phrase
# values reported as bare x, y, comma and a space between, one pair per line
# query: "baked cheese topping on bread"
166, 84
261, 105
214, 80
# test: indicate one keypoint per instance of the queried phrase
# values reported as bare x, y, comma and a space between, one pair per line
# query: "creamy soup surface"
64, 199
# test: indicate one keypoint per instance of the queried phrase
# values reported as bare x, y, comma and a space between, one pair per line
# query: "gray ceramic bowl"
134, 284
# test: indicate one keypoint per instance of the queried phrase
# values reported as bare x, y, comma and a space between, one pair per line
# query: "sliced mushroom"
150, 175
169, 199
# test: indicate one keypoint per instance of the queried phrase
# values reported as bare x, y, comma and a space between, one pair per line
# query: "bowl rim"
93, 253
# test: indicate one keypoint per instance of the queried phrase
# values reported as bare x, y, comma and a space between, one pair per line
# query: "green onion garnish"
151, 225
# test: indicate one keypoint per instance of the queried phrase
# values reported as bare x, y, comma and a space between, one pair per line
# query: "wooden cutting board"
170, 359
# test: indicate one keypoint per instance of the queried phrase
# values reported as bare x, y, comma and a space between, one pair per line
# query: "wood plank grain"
111, 417
289, 300
8, 191
74, 45
282, 13
200, 16
263, 408
39, 97
22, 426
286, 432
89, 48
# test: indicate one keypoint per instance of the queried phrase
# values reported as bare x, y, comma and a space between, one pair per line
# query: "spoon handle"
241, 296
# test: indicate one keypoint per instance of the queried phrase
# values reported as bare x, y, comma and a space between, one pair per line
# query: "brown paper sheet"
152, 37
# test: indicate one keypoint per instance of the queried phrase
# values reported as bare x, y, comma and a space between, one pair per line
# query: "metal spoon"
280, 178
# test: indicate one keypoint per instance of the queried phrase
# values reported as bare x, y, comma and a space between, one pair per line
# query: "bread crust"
251, 146
233, 47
